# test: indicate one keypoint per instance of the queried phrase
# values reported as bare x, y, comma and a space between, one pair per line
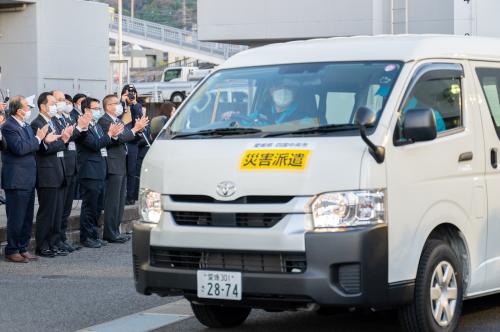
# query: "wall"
260, 22
73, 46
18, 50
431, 16
487, 12
264, 20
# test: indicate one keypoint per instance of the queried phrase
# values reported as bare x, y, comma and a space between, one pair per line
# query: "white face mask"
79, 108
68, 109
61, 106
118, 110
27, 116
52, 111
282, 97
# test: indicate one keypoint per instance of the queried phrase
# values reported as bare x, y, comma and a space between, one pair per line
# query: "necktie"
95, 127
51, 125
63, 121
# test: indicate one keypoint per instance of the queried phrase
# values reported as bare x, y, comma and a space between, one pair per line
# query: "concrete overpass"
169, 39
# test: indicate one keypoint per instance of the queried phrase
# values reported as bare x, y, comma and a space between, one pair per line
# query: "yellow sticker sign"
275, 160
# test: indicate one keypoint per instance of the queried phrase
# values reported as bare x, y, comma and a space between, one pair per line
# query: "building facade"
260, 22
56, 44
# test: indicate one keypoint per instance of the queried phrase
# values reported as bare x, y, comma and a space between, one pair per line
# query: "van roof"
365, 48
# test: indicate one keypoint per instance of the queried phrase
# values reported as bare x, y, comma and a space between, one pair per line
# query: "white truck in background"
175, 85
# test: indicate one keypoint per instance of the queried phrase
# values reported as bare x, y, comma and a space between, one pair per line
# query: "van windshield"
285, 98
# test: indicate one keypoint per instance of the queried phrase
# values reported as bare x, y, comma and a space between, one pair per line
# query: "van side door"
437, 182
488, 95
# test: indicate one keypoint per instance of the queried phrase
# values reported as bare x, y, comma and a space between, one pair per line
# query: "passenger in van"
415, 103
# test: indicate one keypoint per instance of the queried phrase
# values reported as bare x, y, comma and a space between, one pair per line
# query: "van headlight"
150, 206
348, 209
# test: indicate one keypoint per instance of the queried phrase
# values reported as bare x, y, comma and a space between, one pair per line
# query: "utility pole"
184, 15
120, 41
132, 8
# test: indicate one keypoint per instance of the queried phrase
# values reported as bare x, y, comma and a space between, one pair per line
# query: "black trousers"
132, 176
91, 193
114, 204
48, 217
19, 206
69, 194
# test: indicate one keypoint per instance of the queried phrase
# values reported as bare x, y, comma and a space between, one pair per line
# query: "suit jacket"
74, 115
70, 151
50, 167
18, 159
91, 163
117, 151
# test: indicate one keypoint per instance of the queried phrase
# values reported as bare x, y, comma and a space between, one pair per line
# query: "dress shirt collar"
45, 117
112, 117
21, 123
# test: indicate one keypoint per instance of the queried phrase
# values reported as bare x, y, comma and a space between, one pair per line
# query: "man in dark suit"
19, 177
50, 180
77, 106
116, 184
91, 154
63, 120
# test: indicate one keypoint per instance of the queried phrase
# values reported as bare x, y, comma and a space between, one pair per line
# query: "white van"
351, 172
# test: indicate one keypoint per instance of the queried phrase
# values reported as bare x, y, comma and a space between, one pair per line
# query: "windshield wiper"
219, 132
317, 129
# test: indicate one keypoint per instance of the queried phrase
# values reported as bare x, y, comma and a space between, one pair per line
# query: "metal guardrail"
165, 34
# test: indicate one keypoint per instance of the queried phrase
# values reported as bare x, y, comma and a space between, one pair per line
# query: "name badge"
60, 154
72, 146
104, 152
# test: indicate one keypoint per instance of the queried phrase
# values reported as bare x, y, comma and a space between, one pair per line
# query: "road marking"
147, 320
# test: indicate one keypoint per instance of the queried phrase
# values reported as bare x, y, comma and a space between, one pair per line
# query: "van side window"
443, 96
341, 105
490, 83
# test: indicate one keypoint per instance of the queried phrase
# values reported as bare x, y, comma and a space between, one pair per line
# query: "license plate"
219, 285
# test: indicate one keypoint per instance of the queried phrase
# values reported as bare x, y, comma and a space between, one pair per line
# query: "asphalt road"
479, 315
69, 293
95, 286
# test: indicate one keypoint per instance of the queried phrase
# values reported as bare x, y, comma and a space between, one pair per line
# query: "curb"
130, 214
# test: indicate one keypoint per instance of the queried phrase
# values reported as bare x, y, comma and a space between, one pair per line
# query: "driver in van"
284, 107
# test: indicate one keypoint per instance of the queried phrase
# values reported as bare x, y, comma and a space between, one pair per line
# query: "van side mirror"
366, 117
419, 125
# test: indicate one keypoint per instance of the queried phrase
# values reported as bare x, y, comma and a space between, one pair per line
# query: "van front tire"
214, 316
437, 302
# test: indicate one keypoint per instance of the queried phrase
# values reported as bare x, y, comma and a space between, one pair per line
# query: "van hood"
198, 166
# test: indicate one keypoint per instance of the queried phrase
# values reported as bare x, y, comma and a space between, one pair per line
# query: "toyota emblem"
226, 189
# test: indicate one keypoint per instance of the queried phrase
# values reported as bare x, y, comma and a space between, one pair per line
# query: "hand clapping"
115, 129
141, 123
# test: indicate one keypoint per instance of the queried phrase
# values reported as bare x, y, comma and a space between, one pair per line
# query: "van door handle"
494, 159
466, 156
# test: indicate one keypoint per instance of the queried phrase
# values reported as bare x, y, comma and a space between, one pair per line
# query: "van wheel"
437, 302
177, 97
219, 316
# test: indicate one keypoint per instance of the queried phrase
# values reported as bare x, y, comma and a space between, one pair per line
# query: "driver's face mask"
282, 97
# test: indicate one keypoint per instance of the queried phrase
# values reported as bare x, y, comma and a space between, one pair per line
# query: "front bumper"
343, 269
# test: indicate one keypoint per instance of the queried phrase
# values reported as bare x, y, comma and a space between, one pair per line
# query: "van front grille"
241, 200
194, 259
263, 220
